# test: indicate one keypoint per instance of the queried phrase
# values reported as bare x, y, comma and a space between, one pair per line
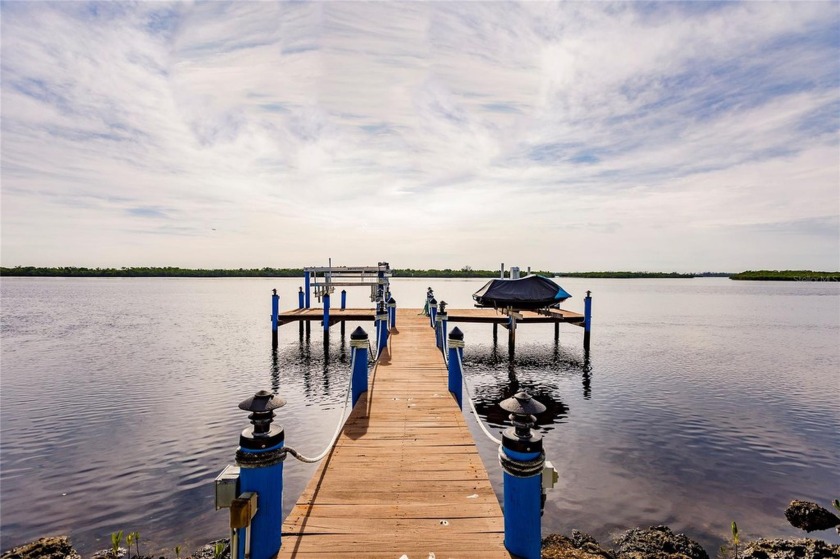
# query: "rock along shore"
656, 542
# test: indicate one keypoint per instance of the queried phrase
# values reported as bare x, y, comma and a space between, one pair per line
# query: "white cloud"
131, 131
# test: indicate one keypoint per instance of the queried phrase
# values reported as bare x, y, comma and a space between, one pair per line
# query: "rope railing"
318, 458
472, 404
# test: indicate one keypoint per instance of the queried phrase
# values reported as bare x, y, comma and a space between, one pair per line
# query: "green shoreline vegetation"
465, 272
786, 275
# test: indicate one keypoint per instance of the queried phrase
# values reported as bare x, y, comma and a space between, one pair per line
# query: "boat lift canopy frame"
324, 279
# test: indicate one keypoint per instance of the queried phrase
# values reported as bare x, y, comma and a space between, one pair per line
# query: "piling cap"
433, 301
274, 291
262, 434
456, 334
359, 334
520, 437
392, 301
262, 401
522, 404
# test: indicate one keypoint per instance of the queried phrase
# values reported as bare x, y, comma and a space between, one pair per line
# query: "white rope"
472, 404
338, 427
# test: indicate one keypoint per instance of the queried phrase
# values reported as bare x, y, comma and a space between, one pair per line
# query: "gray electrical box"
227, 487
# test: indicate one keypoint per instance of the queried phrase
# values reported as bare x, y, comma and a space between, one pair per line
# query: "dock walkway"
404, 477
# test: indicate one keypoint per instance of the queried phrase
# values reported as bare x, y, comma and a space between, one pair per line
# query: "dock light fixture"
523, 461
523, 409
263, 434
254, 533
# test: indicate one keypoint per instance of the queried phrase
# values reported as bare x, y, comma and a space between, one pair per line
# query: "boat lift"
322, 281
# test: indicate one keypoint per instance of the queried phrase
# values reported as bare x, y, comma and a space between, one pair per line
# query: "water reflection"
315, 366
539, 369
586, 375
275, 372
487, 400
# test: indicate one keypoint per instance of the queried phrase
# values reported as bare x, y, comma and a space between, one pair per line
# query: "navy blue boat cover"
530, 292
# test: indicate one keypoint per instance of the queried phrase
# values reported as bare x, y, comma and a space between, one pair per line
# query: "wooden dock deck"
493, 316
455, 315
405, 477
317, 313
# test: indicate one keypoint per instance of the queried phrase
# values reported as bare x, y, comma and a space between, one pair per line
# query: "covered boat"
530, 292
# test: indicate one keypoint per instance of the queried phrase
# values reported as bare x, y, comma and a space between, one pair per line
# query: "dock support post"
260, 460
392, 313
440, 330
512, 336
495, 333
343, 299
275, 319
381, 329
522, 460
432, 311
326, 313
306, 288
359, 359
587, 318
455, 365
300, 297
556, 331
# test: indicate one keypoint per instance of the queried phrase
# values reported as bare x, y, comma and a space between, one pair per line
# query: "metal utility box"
227, 486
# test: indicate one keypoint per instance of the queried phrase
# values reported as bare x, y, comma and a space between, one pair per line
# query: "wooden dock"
494, 316
405, 477
455, 315
317, 313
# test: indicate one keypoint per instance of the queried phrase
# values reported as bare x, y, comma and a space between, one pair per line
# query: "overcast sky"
578, 136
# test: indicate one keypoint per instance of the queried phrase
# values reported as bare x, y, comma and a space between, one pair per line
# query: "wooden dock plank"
405, 476
493, 315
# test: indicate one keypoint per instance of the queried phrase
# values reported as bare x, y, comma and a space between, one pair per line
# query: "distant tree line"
786, 275
465, 272
150, 272
624, 275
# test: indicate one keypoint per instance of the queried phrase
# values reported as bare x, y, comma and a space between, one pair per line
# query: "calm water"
701, 402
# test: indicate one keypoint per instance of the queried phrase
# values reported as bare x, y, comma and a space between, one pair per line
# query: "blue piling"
359, 359
275, 317
455, 365
381, 329
587, 318
522, 460
392, 313
300, 297
306, 287
444, 322
343, 299
522, 508
260, 460
326, 313
432, 311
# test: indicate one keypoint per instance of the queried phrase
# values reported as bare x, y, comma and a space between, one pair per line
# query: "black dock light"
263, 434
523, 462
253, 489
523, 410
